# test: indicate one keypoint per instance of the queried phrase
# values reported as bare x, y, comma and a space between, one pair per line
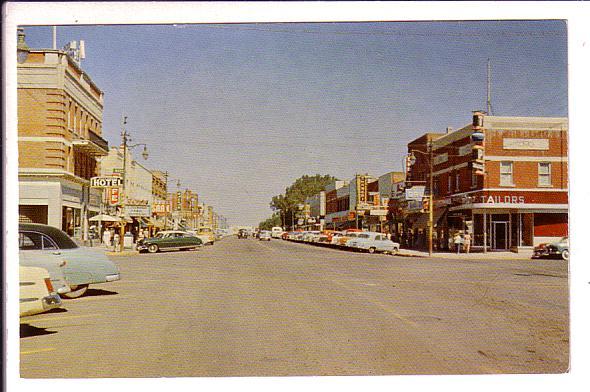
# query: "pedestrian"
106, 238
116, 242
458, 241
467, 242
450, 243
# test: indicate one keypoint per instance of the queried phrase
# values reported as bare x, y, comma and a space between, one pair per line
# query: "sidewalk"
468, 256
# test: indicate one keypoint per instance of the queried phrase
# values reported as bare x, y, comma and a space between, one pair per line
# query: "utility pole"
124, 135
489, 100
430, 206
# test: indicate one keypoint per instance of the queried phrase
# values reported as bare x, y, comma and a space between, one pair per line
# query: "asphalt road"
251, 308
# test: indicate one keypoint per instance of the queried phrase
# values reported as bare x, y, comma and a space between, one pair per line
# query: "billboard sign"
131, 210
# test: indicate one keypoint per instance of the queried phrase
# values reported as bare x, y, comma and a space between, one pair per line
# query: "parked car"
373, 242
37, 294
169, 240
84, 266
242, 233
205, 234
276, 232
347, 235
264, 235
285, 235
559, 248
31, 247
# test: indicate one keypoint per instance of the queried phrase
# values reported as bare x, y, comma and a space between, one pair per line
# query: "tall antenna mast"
489, 101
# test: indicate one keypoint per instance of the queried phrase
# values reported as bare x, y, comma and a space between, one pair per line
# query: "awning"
422, 221
104, 218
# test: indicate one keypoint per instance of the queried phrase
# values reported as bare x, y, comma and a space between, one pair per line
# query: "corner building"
59, 141
511, 194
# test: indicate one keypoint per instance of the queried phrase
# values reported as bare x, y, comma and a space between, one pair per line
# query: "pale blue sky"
238, 112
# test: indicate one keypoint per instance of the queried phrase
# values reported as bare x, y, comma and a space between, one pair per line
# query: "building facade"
509, 188
60, 113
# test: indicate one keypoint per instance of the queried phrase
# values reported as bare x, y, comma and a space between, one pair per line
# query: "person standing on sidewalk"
467, 242
106, 238
116, 242
458, 241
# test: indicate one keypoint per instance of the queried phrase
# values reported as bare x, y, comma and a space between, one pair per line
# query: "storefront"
516, 221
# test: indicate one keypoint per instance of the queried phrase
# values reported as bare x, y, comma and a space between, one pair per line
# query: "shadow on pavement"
97, 292
27, 331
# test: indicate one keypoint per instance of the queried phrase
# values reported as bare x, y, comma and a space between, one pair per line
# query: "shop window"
544, 174
506, 178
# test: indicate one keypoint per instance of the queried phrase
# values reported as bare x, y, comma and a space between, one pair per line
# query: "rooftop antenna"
489, 100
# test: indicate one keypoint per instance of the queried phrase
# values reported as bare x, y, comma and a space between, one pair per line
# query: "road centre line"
41, 350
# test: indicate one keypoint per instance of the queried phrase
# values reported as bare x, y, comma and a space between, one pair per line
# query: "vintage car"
373, 242
264, 235
169, 240
242, 233
30, 255
83, 265
347, 235
36, 291
559, 248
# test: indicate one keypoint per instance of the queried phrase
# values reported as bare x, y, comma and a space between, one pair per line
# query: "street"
244, 307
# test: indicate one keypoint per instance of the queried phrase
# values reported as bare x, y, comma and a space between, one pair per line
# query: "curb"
124, 253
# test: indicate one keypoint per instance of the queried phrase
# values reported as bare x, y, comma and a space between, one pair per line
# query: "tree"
273, 221
285, 205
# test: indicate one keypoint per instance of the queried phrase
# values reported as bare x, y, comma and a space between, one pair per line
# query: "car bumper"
51, 301
114, 277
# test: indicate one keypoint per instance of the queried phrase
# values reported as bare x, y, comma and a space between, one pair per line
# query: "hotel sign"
525, 144
105, 182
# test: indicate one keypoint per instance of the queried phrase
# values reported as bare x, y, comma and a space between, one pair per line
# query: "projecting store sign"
415, 193
137, 210
105, 182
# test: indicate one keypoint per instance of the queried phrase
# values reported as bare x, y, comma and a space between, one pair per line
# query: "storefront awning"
422, 221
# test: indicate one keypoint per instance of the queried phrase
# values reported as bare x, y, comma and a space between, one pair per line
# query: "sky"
237, 112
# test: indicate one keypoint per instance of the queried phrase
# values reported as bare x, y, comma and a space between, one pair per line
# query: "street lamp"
412, 161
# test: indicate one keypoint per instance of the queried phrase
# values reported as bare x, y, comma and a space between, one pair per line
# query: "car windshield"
159, 235
363, 236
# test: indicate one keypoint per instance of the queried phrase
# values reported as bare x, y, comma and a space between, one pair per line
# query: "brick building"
59, 140
510, 190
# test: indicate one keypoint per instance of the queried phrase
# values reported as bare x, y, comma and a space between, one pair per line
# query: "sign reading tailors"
131, 210
105, 182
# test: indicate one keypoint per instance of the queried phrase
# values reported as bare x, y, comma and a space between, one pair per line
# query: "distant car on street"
264, 235
242, 233
169, 240
276, 232
83, 265
373, 242
559, 248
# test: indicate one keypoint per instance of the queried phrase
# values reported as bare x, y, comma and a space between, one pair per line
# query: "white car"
373, 242
36, 291
276, 232
309, 235
264, 235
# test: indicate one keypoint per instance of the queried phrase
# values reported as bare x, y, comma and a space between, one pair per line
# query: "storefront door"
500, 235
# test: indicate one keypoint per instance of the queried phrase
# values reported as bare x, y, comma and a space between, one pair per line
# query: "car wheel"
394, 251
77, 291
372, 250
153, 248
565, 254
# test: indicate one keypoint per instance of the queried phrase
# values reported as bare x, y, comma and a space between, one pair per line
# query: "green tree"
285, 205
273, 221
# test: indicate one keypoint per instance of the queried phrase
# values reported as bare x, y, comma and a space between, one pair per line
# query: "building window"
473, 179
450, 184
506, 174
544, 174
457, 181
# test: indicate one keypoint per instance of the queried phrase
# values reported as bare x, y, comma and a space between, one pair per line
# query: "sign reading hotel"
105, 182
